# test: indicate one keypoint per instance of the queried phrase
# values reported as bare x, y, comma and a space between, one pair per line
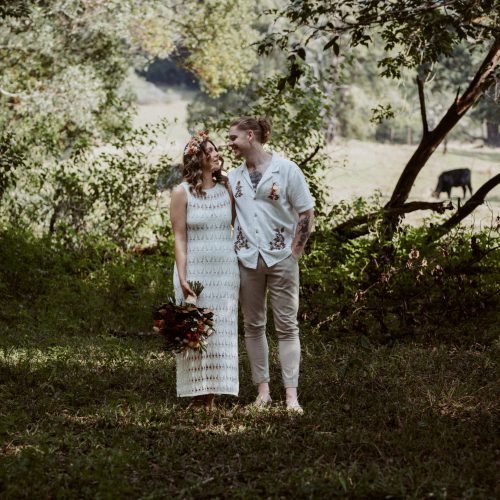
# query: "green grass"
98, 417
88, 413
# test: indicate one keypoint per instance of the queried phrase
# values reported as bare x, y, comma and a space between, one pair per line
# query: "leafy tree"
297, 127
415, 35
63, 85
63, 63
11, 158
488, 111
455, 72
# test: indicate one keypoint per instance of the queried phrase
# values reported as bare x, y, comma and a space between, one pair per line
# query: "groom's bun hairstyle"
261, 127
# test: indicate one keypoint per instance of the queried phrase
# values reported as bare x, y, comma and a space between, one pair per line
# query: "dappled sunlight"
364, 106
367, 418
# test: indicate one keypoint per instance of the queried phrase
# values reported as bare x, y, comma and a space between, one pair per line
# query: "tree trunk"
409, 138
492, 134
432, 139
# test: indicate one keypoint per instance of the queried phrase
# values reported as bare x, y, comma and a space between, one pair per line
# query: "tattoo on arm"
303, 230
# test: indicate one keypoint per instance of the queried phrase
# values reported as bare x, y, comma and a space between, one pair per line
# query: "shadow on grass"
101, 419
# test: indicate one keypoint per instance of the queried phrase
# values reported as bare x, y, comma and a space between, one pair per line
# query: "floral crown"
194, 144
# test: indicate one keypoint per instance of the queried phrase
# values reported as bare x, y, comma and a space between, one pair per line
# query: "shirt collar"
274, 166
244, 173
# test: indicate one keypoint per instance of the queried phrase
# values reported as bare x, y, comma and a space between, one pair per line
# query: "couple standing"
268, 202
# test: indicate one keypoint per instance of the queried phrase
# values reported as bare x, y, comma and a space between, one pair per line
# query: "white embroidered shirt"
267, 217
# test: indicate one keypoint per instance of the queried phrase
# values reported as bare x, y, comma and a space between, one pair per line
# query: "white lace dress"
211, 260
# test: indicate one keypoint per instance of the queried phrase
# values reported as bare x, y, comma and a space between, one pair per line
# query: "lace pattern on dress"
212, 261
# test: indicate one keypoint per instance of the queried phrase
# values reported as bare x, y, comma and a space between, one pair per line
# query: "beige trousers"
282, 282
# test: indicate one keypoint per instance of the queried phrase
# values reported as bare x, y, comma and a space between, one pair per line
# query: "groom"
274, 218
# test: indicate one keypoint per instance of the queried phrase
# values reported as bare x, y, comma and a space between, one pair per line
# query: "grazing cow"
453, 178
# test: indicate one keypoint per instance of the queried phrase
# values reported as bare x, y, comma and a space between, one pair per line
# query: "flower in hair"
194, 144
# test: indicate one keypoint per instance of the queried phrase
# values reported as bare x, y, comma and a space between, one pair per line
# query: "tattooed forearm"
303, 230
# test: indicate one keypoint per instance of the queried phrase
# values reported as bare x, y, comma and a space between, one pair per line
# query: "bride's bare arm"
233, 205
178, 212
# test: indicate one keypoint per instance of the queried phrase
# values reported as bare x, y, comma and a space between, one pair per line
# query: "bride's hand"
186, 290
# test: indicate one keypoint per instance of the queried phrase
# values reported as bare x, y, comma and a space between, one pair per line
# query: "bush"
405, 288
114, 193
47, 289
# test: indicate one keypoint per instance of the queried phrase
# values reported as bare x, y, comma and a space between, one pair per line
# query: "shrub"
406, 288
113, 193
50, 290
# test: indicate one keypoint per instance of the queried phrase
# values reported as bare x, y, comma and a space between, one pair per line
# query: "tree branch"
413, 206
310, 157
423, 112
433, 139
345, 24
481, 80
466, 209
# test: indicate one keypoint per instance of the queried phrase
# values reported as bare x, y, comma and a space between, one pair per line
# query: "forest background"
399, 293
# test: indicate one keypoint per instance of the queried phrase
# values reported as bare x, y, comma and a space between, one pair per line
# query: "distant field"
361, 168
174, 107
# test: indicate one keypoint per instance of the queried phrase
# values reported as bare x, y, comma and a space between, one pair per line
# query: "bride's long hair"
193, 169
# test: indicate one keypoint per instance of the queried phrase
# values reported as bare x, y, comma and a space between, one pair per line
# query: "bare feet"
262, 400
209, 401
292, 401
263, 397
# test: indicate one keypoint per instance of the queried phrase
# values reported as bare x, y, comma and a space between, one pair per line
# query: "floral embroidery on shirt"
239, 192
278, 242
241, 241
273, 194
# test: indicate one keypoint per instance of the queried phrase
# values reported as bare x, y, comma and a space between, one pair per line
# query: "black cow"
453, 178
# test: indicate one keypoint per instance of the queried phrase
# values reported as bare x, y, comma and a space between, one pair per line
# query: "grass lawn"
88, 413
97, 416
88, 405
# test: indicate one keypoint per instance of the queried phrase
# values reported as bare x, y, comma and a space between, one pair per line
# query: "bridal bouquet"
184, 326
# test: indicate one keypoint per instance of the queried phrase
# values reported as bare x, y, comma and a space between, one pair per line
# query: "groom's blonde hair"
261, 127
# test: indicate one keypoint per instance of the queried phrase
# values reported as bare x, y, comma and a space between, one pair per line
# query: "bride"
201, 214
